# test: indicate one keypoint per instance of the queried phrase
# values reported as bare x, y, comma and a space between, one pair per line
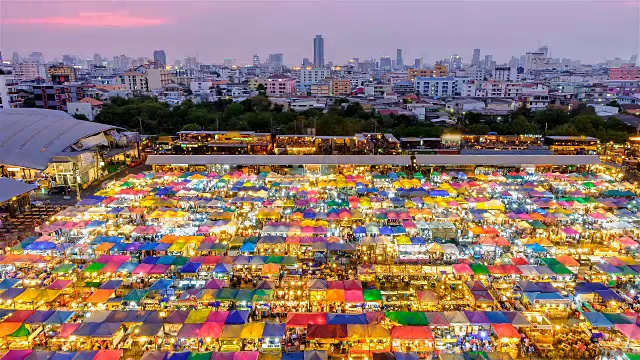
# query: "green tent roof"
95, 267
226, 294
180, 260
560, 270
22, 331
537, 224
64, 268
263, 294
629, 356
479, 269
199, 356
92, 284
273, 259
372, 295
244, 295
418, 175
135, 295
550, 261
407, 318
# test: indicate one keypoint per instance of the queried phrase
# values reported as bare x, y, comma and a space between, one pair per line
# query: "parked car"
135, 163
60, 190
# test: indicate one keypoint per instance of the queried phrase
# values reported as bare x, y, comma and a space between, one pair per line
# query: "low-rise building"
60, 74
280, 84
321, 88
89, 107
340, 87
134, 81
9, 92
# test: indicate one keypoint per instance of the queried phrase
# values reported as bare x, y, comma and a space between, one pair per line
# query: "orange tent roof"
100, 296
567, 260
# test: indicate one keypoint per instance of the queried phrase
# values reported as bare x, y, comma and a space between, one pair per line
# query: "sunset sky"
580, 29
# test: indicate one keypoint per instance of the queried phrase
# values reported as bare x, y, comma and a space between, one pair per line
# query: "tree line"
342, 117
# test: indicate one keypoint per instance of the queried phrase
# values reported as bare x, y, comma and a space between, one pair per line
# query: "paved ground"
90, 190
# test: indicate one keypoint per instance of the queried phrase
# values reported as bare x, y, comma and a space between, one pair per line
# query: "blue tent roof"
293, 356
191, 267
62, 355
597, 319
237, 317
273, 330
59, 317
248, 247
150, 260
609, 295
589, 287
148, 246
11, 293
342, 319
180, 355
536, 248
127, 267
39, 317
406, 356
40, 246
111, 284
161, 284
497, 317
8, 283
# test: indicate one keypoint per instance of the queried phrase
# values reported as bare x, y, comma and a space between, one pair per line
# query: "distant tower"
417, 63
399, 59
545, 50
256, 60
306, 62
160, 58
455, 62
475, 60
318, 51
97, 59
15, 58
488, 59
385, 62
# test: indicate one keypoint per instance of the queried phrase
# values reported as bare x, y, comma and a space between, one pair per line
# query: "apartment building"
8, 91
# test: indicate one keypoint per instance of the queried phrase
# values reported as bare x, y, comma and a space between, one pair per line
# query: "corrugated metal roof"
507, 160
30, 137
10, 188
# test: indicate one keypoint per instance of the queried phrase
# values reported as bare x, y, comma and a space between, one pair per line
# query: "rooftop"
30, 137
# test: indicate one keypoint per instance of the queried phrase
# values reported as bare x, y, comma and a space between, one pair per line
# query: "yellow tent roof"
197, 316
28, 295
252, 330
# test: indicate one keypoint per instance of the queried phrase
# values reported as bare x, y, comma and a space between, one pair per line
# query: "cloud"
91, 19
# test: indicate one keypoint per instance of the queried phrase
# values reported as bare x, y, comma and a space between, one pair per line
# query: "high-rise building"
318, 51
385, 62
455, 62
488, 59
37, 57
417, 63
97, 59
229, 62
0, 57
276, 60
399, 59
256, 60
29, 70
545, 50
160, 58
190, 62
475, 60
15, 58
306, 63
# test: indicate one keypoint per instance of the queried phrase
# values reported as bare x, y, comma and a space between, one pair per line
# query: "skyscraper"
545, 50
488, 59
385, 62
275, 60
37, 57
399, 59
417, 63
455, 62
97, 59
159, 57
256, 60
318, 51
475, 60
15, 58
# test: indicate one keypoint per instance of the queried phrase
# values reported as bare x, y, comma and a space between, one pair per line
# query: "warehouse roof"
30, 137
10, 189
373, 159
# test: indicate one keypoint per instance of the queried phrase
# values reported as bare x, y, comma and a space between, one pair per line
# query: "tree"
261, 89
191, 127
521, 125
80, 117
29, 102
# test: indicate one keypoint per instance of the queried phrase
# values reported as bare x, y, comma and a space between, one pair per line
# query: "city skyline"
124, 26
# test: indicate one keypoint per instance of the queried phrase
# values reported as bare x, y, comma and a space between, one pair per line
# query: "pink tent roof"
67, 329
570, 231
631, 331
217, 316
462, 269
59, 284
16, 355
211, 329
246, 355
353, 296
111, 354
142, 269
627, 241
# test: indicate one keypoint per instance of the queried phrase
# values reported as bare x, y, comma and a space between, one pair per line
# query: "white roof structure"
10, 188
30, 137
497, 160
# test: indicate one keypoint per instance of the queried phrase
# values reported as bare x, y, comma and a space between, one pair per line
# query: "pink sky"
581, 29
